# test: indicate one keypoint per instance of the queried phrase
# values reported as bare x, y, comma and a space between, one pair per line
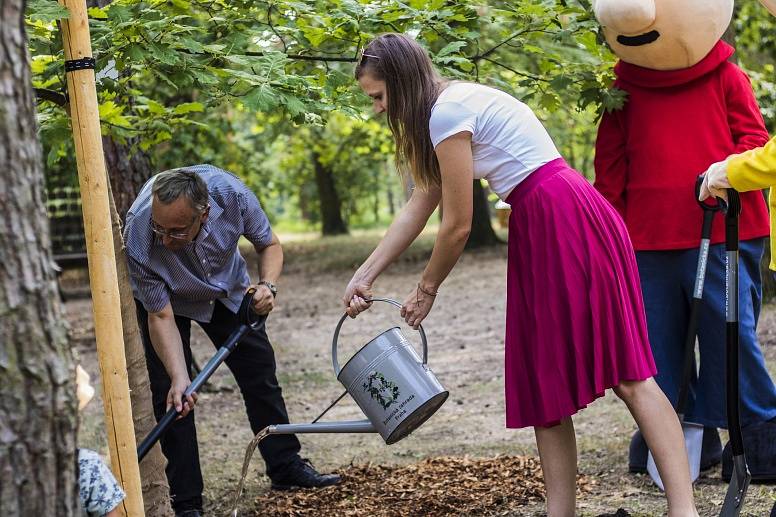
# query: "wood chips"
435, 486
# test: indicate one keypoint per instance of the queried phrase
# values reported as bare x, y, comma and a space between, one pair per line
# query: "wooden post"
103, 279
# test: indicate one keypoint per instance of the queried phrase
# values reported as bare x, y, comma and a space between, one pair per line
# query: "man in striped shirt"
181, 236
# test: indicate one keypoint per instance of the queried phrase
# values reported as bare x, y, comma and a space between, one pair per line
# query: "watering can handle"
334, 362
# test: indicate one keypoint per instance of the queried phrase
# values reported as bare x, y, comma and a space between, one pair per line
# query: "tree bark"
128, 170
482, 233
156, 489
38, 410
332, 222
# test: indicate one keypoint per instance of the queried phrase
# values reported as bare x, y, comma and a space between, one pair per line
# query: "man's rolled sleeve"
147, 286
256, 227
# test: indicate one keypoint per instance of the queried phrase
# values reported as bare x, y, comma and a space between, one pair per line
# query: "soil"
465, 335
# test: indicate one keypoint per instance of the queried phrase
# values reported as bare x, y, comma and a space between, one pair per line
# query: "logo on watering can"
385, 392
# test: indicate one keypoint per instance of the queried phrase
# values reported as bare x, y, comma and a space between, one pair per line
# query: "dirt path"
465, 332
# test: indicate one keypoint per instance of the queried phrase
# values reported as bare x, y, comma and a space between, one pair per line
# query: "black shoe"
759, 450
301, 474
619, 513
711, 451
189, 513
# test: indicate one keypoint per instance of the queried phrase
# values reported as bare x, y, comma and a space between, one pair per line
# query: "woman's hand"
358, 291
417, 306
715, 181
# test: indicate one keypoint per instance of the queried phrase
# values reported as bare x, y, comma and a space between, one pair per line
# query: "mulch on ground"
435, 486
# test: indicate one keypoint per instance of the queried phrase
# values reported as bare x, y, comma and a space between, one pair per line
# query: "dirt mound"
436, 486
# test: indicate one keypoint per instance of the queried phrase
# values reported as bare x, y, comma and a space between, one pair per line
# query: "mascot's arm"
611, 165
753, 170
747, 126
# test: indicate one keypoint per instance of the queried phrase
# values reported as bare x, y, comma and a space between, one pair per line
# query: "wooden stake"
106, 304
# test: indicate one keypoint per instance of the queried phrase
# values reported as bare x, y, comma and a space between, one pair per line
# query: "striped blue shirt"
207, 269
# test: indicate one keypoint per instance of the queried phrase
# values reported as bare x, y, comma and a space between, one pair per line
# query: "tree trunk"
156, 490
128, 171
331, 204
38, 411
482, 233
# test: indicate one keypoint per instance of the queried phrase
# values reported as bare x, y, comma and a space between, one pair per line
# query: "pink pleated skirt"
575, 322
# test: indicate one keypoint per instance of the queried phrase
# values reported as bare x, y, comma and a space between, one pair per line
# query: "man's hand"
175, 396
263, 300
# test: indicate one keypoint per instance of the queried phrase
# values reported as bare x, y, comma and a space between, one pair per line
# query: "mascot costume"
687, 107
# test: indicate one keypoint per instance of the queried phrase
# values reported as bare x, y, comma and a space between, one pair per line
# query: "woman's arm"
403, 231
457, 171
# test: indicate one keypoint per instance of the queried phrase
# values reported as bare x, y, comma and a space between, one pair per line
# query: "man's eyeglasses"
180, 235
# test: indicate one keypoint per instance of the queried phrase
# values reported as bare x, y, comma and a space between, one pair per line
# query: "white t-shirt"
508, 141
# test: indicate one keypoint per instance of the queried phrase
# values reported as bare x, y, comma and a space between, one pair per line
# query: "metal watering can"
386, 378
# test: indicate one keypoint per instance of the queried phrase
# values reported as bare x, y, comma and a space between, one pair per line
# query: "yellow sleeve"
754, 169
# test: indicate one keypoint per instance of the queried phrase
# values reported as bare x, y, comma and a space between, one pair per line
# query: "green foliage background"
263, 88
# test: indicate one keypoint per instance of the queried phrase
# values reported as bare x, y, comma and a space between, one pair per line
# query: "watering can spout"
349, 426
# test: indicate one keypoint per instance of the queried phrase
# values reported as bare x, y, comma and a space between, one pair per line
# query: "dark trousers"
253, 365
667, 281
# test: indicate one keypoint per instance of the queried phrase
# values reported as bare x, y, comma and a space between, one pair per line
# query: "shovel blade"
693, 442
736, 492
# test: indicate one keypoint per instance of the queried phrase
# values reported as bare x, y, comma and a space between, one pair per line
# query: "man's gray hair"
174, 183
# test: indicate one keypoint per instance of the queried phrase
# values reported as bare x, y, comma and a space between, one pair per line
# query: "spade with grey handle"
739, 480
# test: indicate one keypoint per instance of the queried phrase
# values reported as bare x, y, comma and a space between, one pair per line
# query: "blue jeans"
667, 280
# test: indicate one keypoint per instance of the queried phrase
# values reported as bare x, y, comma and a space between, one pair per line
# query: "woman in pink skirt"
575, 321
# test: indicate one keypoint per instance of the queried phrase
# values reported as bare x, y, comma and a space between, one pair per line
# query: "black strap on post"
71, 65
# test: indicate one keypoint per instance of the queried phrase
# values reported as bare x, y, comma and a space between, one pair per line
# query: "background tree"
38, 411
181, 66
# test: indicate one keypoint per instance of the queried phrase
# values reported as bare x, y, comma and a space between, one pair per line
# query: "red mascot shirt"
673, 126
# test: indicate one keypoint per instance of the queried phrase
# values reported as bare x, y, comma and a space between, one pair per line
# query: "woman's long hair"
412, 86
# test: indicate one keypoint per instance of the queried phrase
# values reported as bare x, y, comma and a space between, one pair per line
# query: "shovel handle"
249, 320
334, 361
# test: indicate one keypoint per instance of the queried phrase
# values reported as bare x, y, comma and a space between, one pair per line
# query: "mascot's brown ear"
770, 5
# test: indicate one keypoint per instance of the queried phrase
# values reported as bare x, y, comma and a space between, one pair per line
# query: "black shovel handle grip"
249, 320
707, 203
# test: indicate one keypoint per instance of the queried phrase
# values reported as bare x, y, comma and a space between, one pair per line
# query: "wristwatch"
272, 287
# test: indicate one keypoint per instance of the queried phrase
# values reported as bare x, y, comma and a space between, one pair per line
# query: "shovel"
693, 433
249, 320
740, 477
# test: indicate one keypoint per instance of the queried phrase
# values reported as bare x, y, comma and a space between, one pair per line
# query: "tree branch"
516, 72
491, 50
60, 99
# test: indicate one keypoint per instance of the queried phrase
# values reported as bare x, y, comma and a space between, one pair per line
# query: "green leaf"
549, 101
111, 113
46, 11
261, 99
188, 107
451, 48
156, 108
97, 13
294, 105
